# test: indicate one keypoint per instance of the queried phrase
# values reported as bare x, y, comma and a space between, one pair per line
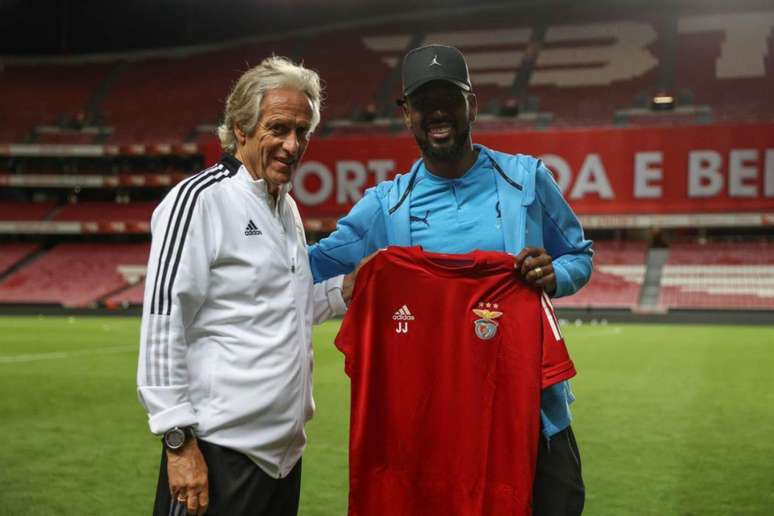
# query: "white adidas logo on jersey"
403, 314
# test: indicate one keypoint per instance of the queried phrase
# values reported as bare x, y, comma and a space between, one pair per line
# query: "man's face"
439, 115
275, 148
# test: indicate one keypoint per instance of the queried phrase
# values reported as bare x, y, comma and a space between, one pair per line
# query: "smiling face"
439, 115
274, 149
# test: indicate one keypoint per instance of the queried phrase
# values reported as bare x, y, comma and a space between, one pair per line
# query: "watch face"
174, 438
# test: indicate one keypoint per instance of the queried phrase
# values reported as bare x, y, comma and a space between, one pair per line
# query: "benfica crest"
486, 327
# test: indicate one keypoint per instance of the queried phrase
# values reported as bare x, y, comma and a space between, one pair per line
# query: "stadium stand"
719, 276
73, 274
619, 271
107, 211
600, 69
344, 93
133, 295
12, 253
580, 73
486, 124
617, 63
736, 84
15, 211
66, 138
647, 118
32, 95
165, 99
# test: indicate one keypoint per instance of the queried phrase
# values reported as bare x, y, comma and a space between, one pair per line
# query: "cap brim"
414, 87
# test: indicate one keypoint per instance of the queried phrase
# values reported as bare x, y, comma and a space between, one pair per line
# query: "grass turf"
671, 420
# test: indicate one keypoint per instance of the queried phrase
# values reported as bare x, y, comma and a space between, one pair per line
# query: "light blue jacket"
533, 211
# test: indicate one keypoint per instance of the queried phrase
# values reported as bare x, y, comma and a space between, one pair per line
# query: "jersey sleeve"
345, 338
557, 365
175, 288
356, 324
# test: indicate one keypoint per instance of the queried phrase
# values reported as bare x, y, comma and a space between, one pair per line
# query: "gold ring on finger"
539, 272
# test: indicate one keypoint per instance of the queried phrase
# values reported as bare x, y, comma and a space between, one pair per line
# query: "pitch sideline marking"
32, 357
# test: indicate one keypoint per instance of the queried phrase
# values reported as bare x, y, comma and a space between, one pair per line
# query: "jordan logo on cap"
434, 61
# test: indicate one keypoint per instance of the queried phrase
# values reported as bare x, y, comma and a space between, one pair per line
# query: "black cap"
434, 63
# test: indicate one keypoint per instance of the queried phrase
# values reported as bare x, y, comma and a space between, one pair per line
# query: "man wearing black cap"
460, 197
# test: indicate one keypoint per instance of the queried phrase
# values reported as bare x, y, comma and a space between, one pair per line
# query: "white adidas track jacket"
227, 317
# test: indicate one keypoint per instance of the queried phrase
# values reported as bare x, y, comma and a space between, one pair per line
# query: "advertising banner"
609, 171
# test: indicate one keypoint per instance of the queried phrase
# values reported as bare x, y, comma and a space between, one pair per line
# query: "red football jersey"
447, 356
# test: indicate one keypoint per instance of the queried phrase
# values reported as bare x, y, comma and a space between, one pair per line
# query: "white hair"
243, 106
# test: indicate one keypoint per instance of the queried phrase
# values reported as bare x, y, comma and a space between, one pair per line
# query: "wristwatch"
175, 438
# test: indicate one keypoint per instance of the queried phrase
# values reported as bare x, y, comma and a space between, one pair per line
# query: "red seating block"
107, 212
32, 95
133, 295
12, 253
73, 274
719, 276
619, 270
18, 211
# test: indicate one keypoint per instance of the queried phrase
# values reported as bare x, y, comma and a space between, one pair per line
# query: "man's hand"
348, 285
536, 268
188, 482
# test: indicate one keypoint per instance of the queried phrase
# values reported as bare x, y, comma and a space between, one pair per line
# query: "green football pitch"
671, 420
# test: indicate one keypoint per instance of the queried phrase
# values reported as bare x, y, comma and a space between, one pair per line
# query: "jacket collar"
230, 162
510, 192
256, 186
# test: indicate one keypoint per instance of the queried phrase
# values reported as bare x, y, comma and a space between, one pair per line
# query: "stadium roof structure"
76, 27
71, 27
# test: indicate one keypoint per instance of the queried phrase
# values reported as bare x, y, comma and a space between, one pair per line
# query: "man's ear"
472, 107
406, 115
241, 136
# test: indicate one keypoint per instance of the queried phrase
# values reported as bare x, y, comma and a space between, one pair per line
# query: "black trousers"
558, 488
237, 487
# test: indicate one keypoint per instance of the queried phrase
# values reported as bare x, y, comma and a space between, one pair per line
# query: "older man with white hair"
225, 355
